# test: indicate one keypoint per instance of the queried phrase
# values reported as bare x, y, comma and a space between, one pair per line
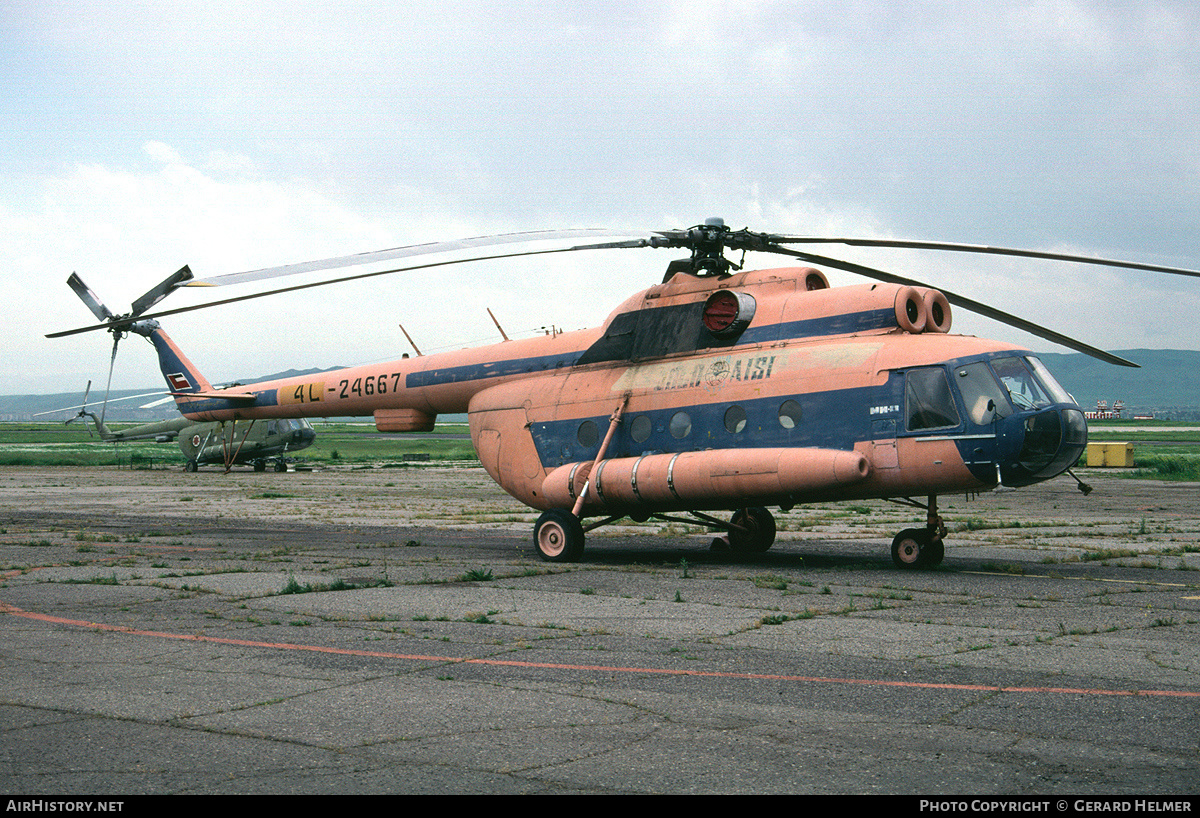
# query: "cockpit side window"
930, 404
981, 393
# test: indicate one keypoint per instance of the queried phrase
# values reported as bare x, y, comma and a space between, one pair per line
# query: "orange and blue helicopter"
718, 390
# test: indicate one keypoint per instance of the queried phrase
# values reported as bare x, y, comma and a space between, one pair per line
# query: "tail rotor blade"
165, 288
88, 297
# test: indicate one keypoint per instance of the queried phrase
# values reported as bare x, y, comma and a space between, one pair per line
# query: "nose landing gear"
917, 548
921, 547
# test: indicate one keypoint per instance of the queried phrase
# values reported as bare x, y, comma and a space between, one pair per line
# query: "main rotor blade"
406, 252
695, 237
88, 297
984, 249
113, 400
165, 288
121, 322
966, 303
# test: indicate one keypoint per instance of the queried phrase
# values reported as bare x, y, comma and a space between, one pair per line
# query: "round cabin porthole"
789, 414
588, 434
735, 419
639, 430
681, 425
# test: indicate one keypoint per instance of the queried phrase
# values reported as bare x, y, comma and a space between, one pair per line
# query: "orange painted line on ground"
12, 610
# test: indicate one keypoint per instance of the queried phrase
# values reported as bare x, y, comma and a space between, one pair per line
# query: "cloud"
231, 136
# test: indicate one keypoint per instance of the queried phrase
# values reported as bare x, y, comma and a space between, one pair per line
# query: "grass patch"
49, 444
779, 619
1172, 467
477, 575
109, 580
292, 586
1108, 554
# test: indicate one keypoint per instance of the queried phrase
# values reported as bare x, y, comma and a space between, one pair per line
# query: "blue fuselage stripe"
845, 324
491, 369
809, 328
828, 420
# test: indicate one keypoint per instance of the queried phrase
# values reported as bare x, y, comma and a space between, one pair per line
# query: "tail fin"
182, 377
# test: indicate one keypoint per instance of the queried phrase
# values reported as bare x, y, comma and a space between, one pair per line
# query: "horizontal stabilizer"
218, 394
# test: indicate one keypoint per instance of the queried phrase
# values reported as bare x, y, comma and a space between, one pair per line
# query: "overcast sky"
139, 137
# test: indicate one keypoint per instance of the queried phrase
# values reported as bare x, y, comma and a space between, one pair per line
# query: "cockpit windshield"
285, 425
1023, 387
1056, 391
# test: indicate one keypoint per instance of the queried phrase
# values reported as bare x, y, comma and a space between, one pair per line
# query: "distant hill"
1168, 379
64, 405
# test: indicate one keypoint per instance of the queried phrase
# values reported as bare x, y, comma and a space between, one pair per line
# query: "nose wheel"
917, 548
921, 547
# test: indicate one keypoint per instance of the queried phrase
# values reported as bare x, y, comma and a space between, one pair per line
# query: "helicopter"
215, 442
720, 390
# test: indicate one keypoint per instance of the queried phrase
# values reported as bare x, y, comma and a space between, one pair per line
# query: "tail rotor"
83, 410
119, 325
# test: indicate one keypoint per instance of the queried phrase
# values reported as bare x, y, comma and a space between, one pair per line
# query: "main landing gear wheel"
752, 530
917, 548
558, 536
191, 465
281, 465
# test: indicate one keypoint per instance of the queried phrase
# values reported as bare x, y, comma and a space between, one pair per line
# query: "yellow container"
1109, 454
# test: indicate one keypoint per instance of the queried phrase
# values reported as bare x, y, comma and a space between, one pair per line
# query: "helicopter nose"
304, 437
1052, 441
